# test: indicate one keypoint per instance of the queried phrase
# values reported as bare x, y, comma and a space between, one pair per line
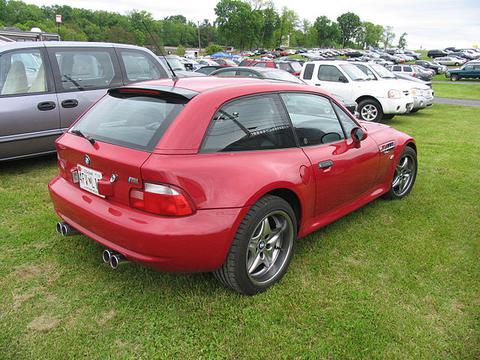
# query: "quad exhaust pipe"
65, 229
113, 258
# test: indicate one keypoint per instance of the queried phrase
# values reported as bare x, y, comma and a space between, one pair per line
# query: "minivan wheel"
404, 176
370, 110
262, 247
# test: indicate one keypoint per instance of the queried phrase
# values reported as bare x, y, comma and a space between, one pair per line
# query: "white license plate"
88, 179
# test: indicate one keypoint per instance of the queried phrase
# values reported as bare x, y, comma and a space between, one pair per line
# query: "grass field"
394, 280
457, 91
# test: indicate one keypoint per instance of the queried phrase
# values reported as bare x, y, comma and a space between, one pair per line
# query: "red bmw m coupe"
221, 174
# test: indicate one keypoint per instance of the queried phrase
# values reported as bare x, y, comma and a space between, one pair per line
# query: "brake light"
161, 200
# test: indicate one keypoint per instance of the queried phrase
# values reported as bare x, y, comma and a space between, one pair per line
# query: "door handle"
70, 103
46, 105
318, 84
325, 164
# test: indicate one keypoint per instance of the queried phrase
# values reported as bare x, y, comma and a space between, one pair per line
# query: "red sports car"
221, 174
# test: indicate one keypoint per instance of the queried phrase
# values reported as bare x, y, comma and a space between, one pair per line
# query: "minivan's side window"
313, 118
85, 69
140, 66
22, 72
250, 123
347, 122
308, 73
397, 68
329, 73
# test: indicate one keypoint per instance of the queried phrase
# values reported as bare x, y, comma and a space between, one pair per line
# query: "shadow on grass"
26, 165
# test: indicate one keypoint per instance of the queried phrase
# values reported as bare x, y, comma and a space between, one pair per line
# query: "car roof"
212, 83
36, 44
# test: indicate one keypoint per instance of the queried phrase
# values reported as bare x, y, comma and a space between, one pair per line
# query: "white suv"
376, 100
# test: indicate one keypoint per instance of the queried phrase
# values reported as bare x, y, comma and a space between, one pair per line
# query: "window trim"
284, 113
48, 72
116, 80
125, 80
331, 101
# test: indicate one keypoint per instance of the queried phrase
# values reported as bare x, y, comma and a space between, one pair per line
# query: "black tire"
388, 116
413, 111
454, 77
394, 193
234, 273
457, 64
370, 104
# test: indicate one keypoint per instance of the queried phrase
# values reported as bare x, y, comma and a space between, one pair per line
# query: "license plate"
88, 179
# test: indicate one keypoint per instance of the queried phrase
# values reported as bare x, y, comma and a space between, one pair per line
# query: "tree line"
238, 23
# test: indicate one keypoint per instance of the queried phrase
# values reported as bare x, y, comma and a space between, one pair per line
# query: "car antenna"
159, 49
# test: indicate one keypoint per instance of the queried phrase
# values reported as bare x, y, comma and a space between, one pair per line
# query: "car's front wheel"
262, 248
370, 110
404, 176
454, 77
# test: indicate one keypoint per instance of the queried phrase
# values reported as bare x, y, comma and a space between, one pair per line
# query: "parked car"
413, 54
258, 63
404, 76
293, 67
467, 71
436, 53
410, 70
438, 68
274, 74
225, 62
263, 164
207, 70
376, 100
450, 60
422, 93
45, 86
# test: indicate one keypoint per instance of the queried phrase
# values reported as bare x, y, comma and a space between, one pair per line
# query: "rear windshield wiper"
79, 133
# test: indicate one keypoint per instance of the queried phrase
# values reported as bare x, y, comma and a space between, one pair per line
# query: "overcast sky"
429, 23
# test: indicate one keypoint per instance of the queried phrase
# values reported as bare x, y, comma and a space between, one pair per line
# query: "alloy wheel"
404, 175
269, 247
369, 112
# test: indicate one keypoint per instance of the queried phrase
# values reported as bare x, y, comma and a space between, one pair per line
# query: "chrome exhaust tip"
107, 255
65, 230
115, 260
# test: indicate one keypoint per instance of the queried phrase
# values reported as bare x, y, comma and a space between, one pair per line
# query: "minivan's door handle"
46, 105
70, 103
325, 164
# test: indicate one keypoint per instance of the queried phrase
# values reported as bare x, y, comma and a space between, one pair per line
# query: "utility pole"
199, 44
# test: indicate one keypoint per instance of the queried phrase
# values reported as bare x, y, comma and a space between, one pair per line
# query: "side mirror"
342, 79
358, 134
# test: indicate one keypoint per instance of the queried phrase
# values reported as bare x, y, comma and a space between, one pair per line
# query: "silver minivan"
45, 86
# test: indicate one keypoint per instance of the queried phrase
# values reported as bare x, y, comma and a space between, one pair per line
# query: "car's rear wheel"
262, 248
404, 176
370, 110
457, 64
454, 77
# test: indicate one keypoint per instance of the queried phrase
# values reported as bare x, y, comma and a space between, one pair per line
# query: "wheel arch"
369, 97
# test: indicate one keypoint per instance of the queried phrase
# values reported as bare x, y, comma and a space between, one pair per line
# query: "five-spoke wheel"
405, 174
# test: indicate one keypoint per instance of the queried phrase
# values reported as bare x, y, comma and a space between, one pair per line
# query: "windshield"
354, 72
296, 66
133, 120
383, 72
282, 76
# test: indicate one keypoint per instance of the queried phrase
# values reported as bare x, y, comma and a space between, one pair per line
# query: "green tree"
180, 50
271, 21
288, 22
349, 24
402, 41
387, 37
327, 32
213, 48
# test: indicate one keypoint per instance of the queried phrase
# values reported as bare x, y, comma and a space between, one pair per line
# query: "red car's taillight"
161, 200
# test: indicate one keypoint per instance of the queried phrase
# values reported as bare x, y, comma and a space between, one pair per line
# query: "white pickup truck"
376, 100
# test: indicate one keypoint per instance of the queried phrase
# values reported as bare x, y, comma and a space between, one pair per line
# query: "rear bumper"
198, 242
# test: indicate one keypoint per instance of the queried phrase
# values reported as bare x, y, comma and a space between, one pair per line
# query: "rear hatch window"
131, 118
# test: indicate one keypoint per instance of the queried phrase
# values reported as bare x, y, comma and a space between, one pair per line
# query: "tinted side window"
313, 118
140, 66
407, 68
347, 123
252, 123
84, 69
22, 72
261, 64
329, 73
246, 73
308, 73
226, 73
397, 68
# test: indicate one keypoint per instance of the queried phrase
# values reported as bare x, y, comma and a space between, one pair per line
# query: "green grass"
457, 91
394, 280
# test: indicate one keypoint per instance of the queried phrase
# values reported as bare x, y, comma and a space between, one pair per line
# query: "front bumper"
193, 243
421, 102
397, 106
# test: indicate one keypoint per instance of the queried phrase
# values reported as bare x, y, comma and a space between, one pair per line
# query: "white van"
376, 100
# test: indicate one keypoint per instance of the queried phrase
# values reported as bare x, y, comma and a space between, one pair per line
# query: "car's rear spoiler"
155, 90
